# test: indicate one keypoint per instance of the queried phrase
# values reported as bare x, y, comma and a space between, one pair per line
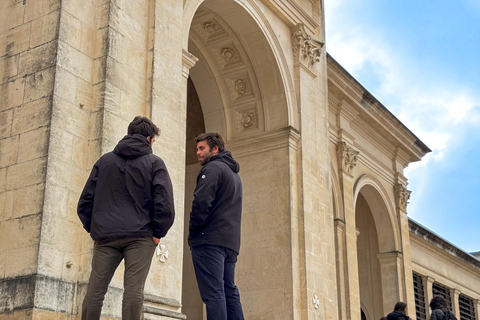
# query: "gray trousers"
107, 255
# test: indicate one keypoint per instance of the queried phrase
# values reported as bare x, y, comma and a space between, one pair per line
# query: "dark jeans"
107, 255
215, 272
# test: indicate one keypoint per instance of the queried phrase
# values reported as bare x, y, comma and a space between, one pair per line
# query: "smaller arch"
382, 211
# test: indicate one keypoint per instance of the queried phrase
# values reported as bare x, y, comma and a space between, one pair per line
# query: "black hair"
143, 126
400, 306
438, 302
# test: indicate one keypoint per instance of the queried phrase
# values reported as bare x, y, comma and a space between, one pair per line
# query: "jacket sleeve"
163, 203
85, 204
436, 316
208, 182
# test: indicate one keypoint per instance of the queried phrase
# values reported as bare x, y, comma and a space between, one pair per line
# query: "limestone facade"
325, 232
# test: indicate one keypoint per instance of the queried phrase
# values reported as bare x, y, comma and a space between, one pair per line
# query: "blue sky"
421, 59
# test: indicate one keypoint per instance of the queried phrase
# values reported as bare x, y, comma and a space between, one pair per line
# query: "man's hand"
157, 240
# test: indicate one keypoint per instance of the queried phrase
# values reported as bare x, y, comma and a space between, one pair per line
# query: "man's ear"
215, 150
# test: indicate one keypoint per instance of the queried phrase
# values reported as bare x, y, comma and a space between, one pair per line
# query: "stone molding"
188, 61
402, 195
347, 157
306, 50
293, 12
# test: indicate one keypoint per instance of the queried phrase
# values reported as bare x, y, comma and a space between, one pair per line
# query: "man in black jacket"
214, 230
126, 206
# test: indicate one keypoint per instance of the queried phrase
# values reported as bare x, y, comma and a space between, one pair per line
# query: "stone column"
347, 158
390, 266
476, 303
318, 299
406, 273
428, 289
455, 293
340, 252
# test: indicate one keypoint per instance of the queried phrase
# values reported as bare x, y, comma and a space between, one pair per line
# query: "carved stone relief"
246, 118
402, 195
210, 30
306, 50
347, 157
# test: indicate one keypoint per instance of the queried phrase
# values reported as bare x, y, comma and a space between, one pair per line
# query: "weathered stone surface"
38, 58
36, 9
8, 67
45, 29
32, 115
12, 93
39, 85
9, 147
26, 174
6, 119
15, 40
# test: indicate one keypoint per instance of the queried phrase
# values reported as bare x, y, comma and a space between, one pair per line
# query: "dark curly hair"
213, 139
143, 126
438, 302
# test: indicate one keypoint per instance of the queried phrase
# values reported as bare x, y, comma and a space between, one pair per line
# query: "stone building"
325, 228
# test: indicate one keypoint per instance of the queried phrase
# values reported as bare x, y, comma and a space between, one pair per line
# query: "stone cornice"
188, 61
341, 82
432, 238
292, 12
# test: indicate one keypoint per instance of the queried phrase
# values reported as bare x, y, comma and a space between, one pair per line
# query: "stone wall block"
74, 61
39, 85
102, 15
84, 94
39, 8
32, 115
38, 58
6, 205
71, 118
101, 42
26, 174
28, 201
6, 119
99, 70
66, 86
65, 174
3, 179
33, 145
12, 93
8, 67
71, 30
45, 29
80, 153
15, 40
9, 151
11, 13
54, 294
19, 233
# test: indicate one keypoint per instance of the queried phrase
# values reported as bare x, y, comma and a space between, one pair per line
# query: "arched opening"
377, 249
368, 265
236, 88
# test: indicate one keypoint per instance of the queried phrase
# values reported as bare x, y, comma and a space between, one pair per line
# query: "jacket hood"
226, 157
133, 146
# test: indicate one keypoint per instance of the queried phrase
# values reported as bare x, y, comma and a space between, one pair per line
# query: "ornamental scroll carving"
347, 157
402, 196
305, 49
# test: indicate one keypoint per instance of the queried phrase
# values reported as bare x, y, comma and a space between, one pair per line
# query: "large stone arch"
245, 92
238, 31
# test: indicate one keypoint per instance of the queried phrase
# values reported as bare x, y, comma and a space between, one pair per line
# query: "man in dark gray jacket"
214, 229
126, 206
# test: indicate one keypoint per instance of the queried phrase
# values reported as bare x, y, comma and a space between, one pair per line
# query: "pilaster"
428, 289
455, 294
347, 159
391, 273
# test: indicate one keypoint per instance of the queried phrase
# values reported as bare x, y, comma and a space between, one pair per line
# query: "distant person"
439, 309
214, 230
126, 206
399, 312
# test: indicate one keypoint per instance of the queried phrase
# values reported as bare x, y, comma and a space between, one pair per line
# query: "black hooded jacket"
128, 193
395, 315
217, 205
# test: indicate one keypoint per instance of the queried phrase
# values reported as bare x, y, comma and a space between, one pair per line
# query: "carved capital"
347, 157
402, 195
305, 49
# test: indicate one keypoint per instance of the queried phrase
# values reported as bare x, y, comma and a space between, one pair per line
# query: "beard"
206, 158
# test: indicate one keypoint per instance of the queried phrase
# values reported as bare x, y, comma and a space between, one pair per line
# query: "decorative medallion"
241, 85
347, 157
162, 253
229, 54
210, 27
248, 119
402, 196
316, 301
305, 49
